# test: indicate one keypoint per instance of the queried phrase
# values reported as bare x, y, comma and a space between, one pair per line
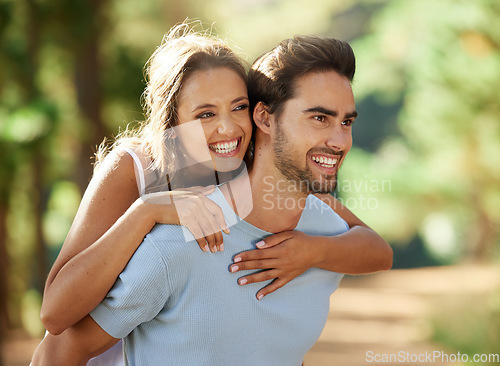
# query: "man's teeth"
324, 161
225, 147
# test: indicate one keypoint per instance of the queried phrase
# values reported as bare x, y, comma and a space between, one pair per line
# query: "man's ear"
262, 117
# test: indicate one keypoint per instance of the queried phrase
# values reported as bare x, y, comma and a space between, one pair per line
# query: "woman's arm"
104, 235
110, 224
74, 347
286, 255
361, 249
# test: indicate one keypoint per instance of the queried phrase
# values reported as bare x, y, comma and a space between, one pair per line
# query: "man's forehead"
324, 87
321, 78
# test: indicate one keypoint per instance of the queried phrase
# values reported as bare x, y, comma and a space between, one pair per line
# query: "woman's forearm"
357, 251
84, 280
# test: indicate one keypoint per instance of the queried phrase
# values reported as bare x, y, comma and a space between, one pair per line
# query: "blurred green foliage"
439, 63
424, 170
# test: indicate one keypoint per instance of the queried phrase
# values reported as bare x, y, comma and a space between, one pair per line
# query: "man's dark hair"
272, 77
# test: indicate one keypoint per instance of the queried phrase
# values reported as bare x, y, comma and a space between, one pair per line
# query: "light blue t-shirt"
176, 305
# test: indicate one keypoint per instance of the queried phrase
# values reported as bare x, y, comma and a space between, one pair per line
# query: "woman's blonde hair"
183, 51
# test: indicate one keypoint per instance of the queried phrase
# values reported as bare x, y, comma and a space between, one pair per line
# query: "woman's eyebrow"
203, 106
208, 105
239, 99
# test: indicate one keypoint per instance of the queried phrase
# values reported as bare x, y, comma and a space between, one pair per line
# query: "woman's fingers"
272, 274
217, 213
191, 208
259, 277
211, 224
275, 239
196, 212
254, 265
200, 238
257, 254
273, 286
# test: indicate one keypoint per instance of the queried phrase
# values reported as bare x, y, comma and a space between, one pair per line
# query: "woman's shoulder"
116, 162
116, 171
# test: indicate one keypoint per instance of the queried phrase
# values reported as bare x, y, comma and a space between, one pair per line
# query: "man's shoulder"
320, 204
318, 218
168, 241
172, 247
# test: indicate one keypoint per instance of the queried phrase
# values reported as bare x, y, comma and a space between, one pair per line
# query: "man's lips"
326, 162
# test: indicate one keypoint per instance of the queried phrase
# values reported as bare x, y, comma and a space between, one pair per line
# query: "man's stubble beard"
302, 178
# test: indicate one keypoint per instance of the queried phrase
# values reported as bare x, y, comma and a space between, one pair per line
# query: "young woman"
195, 83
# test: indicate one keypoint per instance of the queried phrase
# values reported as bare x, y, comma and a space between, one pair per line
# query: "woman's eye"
241, 107
320, 118
205, 115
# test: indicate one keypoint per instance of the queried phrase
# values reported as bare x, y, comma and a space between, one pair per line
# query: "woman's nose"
226, 125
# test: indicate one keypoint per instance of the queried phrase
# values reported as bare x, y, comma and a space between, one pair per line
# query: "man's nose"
339, 139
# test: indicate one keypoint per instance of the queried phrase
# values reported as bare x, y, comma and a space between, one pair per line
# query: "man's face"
313, 134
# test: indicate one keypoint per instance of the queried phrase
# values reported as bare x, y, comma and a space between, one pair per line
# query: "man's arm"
73, 347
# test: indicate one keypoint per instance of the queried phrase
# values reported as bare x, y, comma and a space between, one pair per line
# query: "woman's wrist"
144, 212
156, 212
323, 251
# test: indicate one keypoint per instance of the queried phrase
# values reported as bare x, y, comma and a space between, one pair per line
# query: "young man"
173, 305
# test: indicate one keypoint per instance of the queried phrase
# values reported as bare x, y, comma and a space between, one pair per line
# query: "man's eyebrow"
352, 114
321, 110
208, 105
330, 112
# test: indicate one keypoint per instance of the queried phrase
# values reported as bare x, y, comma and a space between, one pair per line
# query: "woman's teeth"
324, 161
224, 147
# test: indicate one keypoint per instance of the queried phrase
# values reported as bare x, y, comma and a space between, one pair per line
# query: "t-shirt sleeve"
139, 293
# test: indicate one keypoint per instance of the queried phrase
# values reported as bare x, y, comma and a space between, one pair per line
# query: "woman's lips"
226, 148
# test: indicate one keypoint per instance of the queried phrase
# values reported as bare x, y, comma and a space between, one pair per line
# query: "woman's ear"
262, 117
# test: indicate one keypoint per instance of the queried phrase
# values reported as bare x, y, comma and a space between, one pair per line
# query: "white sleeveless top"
114, 355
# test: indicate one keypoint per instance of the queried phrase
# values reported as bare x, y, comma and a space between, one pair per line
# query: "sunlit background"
424, 171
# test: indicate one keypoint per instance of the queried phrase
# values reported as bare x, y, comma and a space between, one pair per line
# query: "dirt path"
370, 319
371, 316
389, 313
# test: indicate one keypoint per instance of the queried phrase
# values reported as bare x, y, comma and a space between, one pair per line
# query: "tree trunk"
39, 203
33, 37
88, 88
3, 277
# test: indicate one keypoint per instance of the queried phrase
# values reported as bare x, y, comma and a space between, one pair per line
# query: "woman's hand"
281, 256
191, 208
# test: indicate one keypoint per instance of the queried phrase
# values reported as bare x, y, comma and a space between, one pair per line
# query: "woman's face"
218, 98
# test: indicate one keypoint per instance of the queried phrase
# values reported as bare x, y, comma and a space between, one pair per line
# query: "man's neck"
266, 200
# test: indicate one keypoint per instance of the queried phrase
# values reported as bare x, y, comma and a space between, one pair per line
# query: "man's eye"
205, 115
241, 107
320, 118
347, 122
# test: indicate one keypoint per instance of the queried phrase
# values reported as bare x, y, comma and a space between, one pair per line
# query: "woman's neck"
201, 175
